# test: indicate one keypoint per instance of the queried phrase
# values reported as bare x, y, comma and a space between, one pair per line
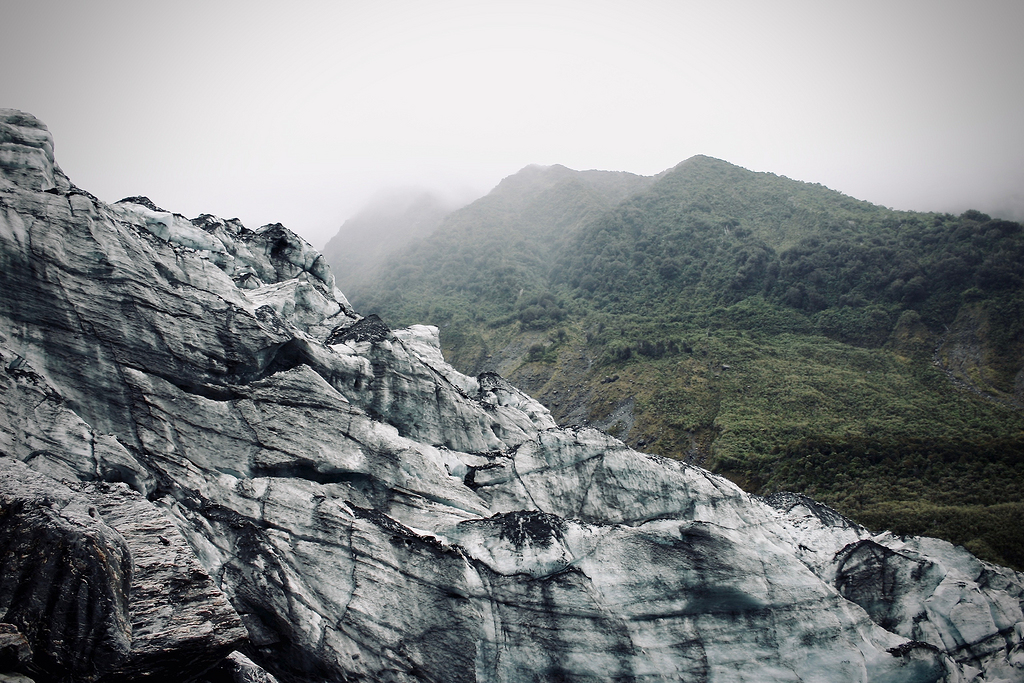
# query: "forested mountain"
778, 332
394, 217
495, 254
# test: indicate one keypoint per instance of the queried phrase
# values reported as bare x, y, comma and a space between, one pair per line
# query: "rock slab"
102, 586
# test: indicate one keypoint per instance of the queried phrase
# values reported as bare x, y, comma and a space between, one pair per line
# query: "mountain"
195, 424
393, 218
496, 251
780, 333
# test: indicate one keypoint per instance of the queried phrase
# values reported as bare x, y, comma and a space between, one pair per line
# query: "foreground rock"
237, 668
101, 585
374, 515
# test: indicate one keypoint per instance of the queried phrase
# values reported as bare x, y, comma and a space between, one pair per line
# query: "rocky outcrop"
102, 586
973, 359
237, 668
71, 603
372, 514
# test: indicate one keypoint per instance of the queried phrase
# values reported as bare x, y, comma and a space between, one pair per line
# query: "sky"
301, 112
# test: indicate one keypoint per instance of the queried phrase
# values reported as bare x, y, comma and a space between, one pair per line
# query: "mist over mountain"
499, 244
392, 219
786, 335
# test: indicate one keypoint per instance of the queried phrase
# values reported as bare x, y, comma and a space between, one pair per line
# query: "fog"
300, 114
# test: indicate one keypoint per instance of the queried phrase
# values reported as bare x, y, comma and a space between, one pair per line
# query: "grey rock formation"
15, 652
374, 515
102, 585
26, 151
66, 576
237, 668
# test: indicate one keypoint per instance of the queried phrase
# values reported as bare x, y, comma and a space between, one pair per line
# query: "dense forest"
780, 333
403, 215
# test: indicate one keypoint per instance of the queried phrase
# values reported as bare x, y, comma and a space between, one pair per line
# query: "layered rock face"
102, 585
374, 515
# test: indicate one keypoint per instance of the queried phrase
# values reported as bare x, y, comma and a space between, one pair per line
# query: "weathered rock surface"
102, 585
15, 652
66, 576
237, 668
374, 515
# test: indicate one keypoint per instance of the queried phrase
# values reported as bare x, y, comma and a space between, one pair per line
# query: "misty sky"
299, 112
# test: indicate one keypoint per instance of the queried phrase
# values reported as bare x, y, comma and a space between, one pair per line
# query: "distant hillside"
778, 332
393, 218
495, 254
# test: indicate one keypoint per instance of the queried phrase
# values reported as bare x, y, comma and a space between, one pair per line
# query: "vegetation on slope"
491, 258
395, 217
785, 335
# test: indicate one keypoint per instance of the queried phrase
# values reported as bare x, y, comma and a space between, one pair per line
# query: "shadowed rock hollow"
373, 515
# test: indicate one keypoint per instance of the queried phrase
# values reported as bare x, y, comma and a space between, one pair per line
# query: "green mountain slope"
495, 253
393, 218
778, 332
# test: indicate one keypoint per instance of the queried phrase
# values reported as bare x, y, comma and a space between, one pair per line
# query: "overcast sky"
299, 112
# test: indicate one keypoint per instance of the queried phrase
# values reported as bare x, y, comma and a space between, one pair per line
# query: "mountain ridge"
364, 239
747, 315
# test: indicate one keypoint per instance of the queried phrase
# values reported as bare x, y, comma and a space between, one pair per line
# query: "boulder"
99, 585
